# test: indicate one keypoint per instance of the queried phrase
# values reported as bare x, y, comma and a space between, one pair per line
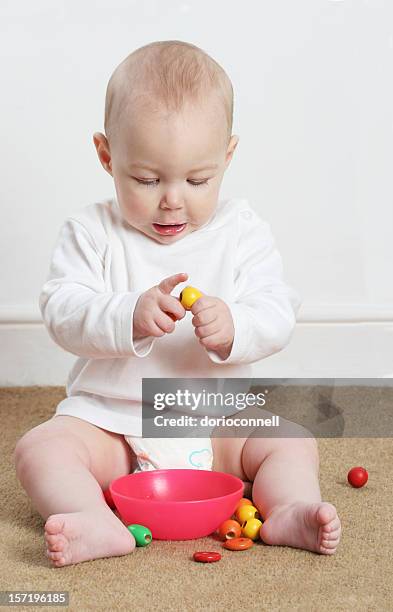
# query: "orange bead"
238, 544
242, 502
229, 529
245, 513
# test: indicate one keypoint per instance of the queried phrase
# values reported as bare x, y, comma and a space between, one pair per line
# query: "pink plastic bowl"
177, 504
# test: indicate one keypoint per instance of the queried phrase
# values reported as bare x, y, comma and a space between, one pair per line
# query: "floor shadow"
30, 556
22, 515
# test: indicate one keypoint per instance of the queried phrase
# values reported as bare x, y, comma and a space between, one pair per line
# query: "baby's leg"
63, 464
285, 489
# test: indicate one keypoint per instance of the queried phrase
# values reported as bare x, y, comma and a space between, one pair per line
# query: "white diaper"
171, 453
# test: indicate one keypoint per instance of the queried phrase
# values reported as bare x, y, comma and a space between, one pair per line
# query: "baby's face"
168, 170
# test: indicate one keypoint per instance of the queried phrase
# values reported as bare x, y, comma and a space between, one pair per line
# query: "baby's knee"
294, 431
41, 445
309, 441
24, 446
303, 444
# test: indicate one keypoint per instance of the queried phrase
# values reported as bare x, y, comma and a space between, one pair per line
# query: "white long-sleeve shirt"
101, 265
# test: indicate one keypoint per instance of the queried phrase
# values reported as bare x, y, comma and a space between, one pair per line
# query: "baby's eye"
199, 184
155, 182
147, 183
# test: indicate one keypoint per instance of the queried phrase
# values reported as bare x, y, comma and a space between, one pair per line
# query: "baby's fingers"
164, 322
168, 284
172, 307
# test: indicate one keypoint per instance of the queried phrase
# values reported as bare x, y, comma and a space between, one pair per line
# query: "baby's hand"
151, 316
213, 325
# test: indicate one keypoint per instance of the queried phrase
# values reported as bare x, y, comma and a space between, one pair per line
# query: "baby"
108, 300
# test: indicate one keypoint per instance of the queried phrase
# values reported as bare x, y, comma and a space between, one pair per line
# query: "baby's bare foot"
314, 527
81, 536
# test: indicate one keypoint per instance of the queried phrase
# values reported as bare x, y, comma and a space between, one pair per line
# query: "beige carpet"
164, 577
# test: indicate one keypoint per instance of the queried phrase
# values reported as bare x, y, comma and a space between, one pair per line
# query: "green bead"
141, 534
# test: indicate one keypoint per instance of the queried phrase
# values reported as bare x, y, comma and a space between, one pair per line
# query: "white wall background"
313, 109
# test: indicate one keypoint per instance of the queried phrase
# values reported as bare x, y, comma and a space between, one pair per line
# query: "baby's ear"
231, 148
103, 151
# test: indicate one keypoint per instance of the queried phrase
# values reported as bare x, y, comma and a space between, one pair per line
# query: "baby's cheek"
137, 208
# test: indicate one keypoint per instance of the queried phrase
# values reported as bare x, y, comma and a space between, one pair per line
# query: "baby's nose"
172, 204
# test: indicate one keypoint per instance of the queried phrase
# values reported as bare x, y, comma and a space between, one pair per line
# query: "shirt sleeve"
80, 314
264, 309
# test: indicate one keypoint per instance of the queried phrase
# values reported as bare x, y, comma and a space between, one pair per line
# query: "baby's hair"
166, 74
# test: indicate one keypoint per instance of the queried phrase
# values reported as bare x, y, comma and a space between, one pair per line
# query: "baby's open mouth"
167, 230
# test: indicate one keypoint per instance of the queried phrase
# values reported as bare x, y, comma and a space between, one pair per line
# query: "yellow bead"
245, 513
188, 296
251, 529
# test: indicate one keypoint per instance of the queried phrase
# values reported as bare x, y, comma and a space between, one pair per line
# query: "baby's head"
168, 123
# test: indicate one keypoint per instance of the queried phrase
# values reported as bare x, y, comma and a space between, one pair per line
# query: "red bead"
238, 543
357, 477
229, 529
207, 557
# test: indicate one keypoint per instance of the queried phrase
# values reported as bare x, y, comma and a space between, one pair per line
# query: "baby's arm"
81, 315
264, 309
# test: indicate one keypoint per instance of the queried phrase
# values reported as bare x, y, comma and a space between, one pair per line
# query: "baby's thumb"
168, 284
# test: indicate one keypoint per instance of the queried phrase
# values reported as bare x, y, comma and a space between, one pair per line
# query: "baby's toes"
55, 542
330, 540
54, 525
59, 562
327, 551
329, 543
54, 556
327, 514
334, 525
332, 529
